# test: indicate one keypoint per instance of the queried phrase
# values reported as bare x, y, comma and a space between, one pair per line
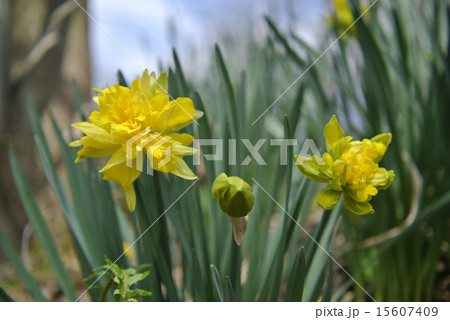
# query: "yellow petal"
121, 174
382, 178
182, 170
341, 147
117, 158
87, 141
179, 113
131, 198
180, 150
184, 138
328, 198
366, 193
382, 142
152, 86
94, 132
333, 132
357, 207
89, 152
314, 168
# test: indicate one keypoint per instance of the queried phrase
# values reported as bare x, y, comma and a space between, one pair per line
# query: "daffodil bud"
236, 199
235, 196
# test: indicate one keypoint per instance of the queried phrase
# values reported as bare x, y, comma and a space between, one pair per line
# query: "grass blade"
296, 279
326, 296
217, 282
40, 227
24, 275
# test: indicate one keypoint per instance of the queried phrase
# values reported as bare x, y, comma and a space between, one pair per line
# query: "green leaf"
232, 110
198, 289
229, 292
24, 275
326, 296
217, 282
121, 79
296, 279
40, 227
180, 75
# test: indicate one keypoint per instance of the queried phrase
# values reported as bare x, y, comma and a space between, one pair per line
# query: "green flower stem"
105, 290
235, 268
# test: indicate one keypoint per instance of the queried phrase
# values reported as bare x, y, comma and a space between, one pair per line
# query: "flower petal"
152, 86
88, 152
314, 168
121, 174
182, 170
382, 142
131, 198
357, 207
328, 198
382, 178
117, 158
181, 114
333, 132
94, 132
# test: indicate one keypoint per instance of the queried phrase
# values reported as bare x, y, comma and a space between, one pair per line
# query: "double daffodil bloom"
136, 121
349, 167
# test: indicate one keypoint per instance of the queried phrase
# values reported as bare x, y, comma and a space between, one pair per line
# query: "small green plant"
122, 280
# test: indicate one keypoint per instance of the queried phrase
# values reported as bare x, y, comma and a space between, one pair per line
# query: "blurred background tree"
43, 47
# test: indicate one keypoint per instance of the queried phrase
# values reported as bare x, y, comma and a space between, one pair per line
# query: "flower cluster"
349, 167
136, 120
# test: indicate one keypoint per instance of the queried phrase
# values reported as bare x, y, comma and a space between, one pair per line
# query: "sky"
137, 34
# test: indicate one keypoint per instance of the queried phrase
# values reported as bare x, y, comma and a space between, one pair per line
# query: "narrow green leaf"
229, 292
217, 282
296, 279
121, 79
198, 288
40, 227
290, 156
232, 111
24, 275
328, 291
180, 75
78, 99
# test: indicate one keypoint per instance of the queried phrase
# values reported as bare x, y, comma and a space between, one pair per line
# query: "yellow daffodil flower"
135, 121
342, 18
349, 167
